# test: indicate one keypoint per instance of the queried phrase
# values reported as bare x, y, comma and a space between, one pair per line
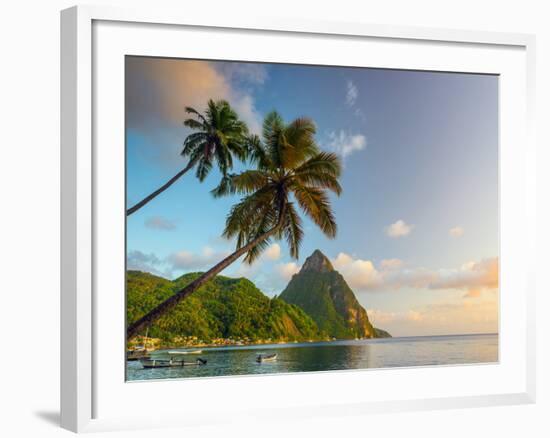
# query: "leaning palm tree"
290, 172
219, 135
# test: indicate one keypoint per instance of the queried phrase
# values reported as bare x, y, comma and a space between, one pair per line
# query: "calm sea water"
336, 355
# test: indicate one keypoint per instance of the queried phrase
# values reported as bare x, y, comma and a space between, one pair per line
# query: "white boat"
185, 352
266, 358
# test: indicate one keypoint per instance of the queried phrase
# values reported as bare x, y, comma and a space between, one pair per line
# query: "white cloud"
351, 93
254, 271
456, 231
160, 223
391, 274
344, 144
398, 229
358, 273
186, 260
273, 252
140, 261
287, 270
244, 105
243, 72
472, 277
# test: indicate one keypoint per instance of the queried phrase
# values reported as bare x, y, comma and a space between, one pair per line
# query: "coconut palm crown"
290, 172
219, 136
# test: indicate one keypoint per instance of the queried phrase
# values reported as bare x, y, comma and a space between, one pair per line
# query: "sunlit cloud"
468, 316
391, 263
158, 90
273, 252
472, 277
391, 274
358, 273
456, 231
398, 229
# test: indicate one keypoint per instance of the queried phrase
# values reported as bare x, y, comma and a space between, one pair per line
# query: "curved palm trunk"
171, 302
153, 195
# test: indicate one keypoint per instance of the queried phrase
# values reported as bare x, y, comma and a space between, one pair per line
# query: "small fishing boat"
137, 354
174, 352
266, 358
170, 363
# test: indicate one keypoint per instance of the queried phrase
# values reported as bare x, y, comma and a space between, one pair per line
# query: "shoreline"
159, 345
269, 343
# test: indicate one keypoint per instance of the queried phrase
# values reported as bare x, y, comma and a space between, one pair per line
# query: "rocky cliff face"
324, 295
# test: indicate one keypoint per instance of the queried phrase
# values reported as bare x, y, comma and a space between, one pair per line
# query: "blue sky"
418, 216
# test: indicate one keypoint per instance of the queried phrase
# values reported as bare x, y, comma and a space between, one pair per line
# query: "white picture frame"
89, 395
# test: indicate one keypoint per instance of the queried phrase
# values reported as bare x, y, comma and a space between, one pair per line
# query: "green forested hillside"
222, 308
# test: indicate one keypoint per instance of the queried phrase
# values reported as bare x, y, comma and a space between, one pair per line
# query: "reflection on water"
325, 356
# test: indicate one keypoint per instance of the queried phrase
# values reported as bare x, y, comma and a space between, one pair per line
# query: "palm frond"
246, 213
273, 123
224, 187
300, 134
193, 124
267, 221
249, 181
294, 232
220, 135
204, 167
315, 203
326, 162
256, 152
192, 142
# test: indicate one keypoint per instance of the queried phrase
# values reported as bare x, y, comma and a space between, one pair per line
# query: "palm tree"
290, 172
220, 134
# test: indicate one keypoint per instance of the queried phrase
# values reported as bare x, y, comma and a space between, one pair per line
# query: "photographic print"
296, 218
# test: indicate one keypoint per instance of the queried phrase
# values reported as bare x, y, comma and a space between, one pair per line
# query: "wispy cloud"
160, 223
398, 229
456, 231
344, 143
186, 260
243, 72
351, 93
391, 263
140, 261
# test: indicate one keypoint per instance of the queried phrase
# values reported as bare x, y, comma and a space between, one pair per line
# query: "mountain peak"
317, 262
325, 296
